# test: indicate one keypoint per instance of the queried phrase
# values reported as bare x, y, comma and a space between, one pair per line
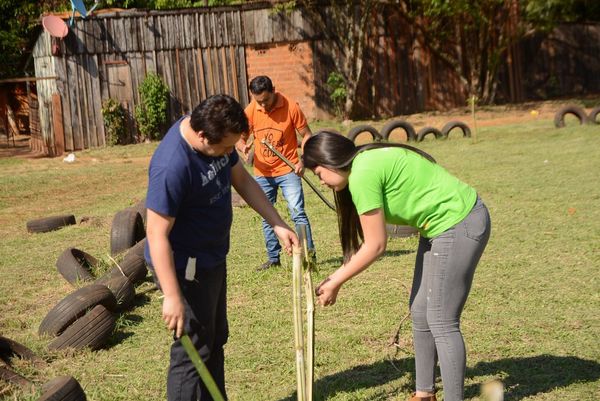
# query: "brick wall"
290, 67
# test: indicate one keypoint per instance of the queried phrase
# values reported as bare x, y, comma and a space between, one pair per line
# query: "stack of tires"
582, 116
86, 317
408, 133
62, 388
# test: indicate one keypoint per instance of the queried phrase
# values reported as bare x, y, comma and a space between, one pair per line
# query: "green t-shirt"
410, 189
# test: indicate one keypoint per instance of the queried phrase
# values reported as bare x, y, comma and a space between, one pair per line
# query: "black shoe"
268, 264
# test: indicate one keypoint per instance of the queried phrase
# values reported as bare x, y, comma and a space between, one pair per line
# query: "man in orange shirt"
276, 119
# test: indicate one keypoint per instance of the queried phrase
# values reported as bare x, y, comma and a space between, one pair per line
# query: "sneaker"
268, 264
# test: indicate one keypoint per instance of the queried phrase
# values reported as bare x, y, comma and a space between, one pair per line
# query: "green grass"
532, 318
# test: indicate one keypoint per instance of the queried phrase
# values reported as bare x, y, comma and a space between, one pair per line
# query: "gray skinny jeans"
442, 280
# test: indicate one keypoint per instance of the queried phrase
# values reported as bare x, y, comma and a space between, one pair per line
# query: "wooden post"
58, 126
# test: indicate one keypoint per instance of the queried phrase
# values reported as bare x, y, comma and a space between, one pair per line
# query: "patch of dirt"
486, 116
17, 147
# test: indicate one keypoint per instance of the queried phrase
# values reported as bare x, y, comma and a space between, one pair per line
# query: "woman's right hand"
173, 313
327, 292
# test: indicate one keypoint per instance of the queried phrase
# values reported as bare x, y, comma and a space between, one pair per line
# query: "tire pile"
85, 318
411, 134
582, 116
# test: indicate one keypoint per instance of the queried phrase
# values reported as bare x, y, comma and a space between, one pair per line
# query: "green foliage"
151, 113
337, 86
285, 7
170, 4
113, 115
546, 13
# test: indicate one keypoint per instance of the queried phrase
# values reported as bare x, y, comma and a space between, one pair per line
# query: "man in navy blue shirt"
188, 225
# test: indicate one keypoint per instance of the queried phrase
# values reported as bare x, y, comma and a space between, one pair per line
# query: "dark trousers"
206, 324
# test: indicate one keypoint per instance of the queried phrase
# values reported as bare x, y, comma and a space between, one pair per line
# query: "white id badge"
190, 269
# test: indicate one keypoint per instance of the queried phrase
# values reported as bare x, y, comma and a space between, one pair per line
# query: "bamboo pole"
306, 180
298, 330
310, 314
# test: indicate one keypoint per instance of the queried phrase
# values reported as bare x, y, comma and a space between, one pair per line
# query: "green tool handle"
289, 163
203, 371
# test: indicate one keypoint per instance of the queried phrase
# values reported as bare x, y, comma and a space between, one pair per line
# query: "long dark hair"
334, 151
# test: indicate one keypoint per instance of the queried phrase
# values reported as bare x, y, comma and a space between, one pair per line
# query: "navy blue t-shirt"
196, 190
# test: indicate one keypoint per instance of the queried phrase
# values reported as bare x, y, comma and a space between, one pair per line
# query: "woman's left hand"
327, 292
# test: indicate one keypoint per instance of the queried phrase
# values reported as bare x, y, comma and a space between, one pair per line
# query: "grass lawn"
532, 319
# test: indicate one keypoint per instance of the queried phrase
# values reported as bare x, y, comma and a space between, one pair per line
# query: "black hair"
261, 84
334, 151
217, 116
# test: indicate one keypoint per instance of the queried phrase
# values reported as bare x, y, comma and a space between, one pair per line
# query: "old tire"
423, 132
392, 125
140, 207
400, 231
559, 117
10, 349
10, 376
123, 291
137, 249
127, 229
89, 331
74, 305
593, 117
449, 126
62, 388
50, 223
132, 266
76, 265
359, 129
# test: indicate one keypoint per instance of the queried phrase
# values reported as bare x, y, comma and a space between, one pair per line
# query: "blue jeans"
291, 186
444, 272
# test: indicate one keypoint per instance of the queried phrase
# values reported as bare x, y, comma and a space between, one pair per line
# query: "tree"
345, 25
472, 37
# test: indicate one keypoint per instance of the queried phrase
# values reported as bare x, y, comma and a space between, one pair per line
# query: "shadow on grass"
399, 252
522, 377
360, 377
528, 376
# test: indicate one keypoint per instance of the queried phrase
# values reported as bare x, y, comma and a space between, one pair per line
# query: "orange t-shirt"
278, 127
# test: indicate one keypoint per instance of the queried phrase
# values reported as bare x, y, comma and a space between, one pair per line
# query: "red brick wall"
290, 67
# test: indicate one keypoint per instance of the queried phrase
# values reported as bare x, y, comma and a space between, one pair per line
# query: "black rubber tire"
392, 125
449, 126
10, 376
132, 266
123, 291
399, 231
127, 229
62, 388
359, 129
423, 132
76, 265
137, 249
51, 223
140, 207
74, 305
10, 349
559, 117
593, 117
89, 331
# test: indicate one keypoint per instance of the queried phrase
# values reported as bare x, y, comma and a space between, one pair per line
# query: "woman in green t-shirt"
381, 183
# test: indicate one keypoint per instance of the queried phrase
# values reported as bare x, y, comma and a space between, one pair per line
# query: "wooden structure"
203, 51
197, 52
